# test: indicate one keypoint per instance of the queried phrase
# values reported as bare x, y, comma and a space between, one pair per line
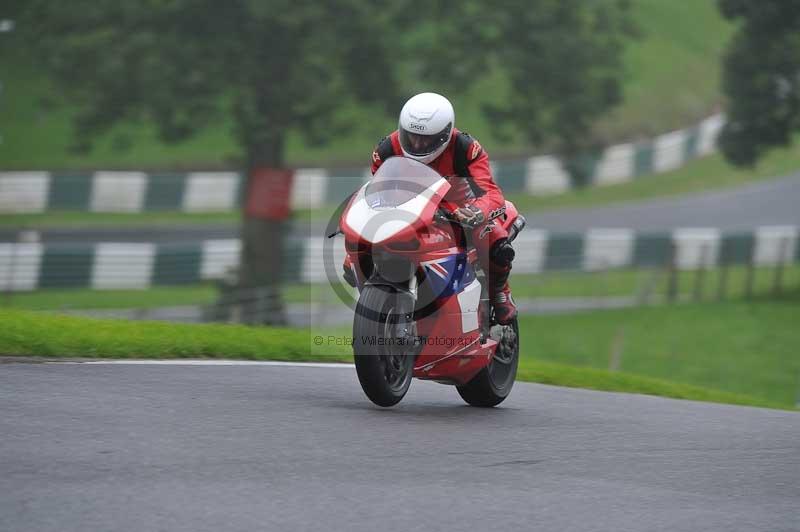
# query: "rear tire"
492, 385
384, 371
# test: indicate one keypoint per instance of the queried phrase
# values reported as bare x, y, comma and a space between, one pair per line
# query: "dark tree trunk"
256, 298
262, 243
260, 272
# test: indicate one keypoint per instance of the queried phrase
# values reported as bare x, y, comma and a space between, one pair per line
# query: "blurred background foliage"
761, 78
101, 84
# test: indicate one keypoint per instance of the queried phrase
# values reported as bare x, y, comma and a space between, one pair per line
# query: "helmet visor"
419, 145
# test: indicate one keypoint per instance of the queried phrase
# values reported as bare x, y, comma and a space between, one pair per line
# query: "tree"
761, 78
273, 66
276, 66
562, 60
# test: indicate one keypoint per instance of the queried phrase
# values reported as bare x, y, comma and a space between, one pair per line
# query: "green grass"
751, 349
633, 282
161, 296
555, 284
75, 219
150, 220
28, 333
671, 80
74, 299
597, 379
52, 335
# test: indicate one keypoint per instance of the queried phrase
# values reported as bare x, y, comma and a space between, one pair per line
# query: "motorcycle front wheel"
492, 385
382, 330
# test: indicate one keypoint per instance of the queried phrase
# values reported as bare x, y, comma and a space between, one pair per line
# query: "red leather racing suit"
472, 184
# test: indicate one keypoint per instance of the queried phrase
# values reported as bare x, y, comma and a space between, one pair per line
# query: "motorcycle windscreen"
399, 180
402, 193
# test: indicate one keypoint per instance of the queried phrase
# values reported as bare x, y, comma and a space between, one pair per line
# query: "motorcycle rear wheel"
492, 385
381, 329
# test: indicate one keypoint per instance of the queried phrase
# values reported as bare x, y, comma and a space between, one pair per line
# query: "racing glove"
471, 216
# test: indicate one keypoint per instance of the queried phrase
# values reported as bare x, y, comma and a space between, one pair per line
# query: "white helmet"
426, 124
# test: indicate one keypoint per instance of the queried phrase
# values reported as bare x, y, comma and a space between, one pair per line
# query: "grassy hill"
672, 80
673, 71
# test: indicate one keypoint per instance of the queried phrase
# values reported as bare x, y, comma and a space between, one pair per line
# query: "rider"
427, 134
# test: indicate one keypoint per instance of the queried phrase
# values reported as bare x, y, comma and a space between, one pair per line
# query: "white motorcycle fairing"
390, 221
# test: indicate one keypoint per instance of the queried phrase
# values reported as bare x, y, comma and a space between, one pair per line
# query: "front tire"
492, 385
382, 328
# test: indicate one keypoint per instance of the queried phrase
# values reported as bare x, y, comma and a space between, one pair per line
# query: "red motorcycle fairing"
400, 222
452, 351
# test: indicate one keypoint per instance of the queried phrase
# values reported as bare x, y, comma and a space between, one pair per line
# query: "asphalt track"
182, 448
742, 208
772, 202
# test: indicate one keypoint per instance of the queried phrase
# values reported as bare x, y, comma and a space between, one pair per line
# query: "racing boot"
505, 310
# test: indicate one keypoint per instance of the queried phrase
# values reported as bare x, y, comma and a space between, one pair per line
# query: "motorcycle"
423, 309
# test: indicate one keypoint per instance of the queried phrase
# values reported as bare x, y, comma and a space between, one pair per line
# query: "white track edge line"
200, 362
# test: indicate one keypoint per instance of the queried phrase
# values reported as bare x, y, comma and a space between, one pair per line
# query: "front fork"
408, 327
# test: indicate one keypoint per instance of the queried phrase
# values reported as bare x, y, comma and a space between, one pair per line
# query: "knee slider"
502, 253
